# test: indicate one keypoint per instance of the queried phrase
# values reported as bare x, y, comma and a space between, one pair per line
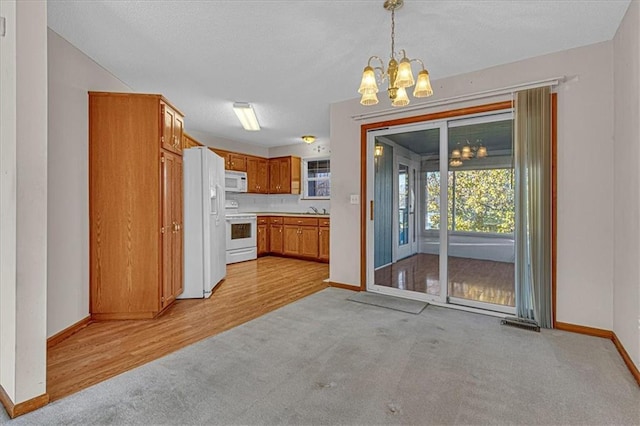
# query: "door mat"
389, 302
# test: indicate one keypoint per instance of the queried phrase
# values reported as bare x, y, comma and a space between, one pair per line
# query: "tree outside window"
479, 201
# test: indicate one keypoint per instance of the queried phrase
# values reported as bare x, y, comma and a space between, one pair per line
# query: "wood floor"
105, 349
471, 279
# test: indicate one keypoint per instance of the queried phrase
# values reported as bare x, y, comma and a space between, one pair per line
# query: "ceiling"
292, 59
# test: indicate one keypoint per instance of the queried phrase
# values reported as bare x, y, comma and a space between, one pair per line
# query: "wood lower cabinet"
276, 235
295, 236
172, 241
257, 175
301, 237
135, 206
323, 240
263, 236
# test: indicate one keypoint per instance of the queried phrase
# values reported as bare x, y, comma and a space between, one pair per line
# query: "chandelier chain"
393, 33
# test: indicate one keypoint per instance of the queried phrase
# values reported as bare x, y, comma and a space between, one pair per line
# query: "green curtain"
533, 205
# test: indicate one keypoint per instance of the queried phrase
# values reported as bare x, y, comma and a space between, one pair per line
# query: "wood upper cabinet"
135, 206
189, 142
284, 175
172, 128
263, 235
232, 160
257, 175
323, 240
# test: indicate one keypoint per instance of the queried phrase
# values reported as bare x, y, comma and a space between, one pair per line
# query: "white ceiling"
292, 59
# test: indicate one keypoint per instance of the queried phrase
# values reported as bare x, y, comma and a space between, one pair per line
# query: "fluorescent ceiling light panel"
246, 115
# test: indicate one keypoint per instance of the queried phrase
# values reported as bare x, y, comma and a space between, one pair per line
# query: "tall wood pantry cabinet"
135, 205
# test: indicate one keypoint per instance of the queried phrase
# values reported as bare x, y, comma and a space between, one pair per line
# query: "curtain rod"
463, 98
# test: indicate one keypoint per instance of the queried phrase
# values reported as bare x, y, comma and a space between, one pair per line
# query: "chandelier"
467, 152
398, 74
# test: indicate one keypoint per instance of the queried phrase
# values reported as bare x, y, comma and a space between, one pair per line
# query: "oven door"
241, 233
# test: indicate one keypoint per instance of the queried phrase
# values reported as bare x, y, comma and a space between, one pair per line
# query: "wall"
585, 128
626, 278
23, 200
71, 75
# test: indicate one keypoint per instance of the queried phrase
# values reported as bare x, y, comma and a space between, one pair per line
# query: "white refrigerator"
204, 223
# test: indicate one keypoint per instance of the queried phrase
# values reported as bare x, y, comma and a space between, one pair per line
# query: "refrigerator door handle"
213, 202
220, 191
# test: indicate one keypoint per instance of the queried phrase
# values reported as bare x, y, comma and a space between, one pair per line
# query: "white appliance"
204, 228
235, 181
241, 233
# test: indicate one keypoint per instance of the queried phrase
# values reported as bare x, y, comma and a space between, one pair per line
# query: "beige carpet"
327, 360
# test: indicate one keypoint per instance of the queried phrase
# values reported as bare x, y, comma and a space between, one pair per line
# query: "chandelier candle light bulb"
399, 76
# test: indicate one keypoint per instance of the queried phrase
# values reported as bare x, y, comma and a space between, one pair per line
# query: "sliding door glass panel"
406, 238
481, 210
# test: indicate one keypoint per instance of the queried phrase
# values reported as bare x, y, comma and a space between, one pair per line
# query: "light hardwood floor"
105, 349
472, 279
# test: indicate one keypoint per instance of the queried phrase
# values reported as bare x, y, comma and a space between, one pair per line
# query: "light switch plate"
3, 26
354, 199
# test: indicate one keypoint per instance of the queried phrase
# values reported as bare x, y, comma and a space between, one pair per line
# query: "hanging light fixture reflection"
467, 152
399, 75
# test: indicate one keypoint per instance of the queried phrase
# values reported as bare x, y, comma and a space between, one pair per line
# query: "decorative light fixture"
246, 115
378, 150
398, 74
308, 138
467, 152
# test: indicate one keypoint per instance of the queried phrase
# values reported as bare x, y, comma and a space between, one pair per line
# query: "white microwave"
235, 181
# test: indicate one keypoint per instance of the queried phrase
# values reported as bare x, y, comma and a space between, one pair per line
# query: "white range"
241, 239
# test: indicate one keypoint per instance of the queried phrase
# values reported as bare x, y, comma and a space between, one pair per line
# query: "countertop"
292, 214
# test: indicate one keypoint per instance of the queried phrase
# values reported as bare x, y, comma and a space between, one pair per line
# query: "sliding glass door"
442, 212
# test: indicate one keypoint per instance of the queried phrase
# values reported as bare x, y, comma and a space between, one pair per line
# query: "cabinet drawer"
263, 220
324, 222
277, 220
302, 221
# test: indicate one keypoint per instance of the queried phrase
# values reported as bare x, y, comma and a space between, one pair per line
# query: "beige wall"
626, 282
585, 173
71, 75
23, 248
